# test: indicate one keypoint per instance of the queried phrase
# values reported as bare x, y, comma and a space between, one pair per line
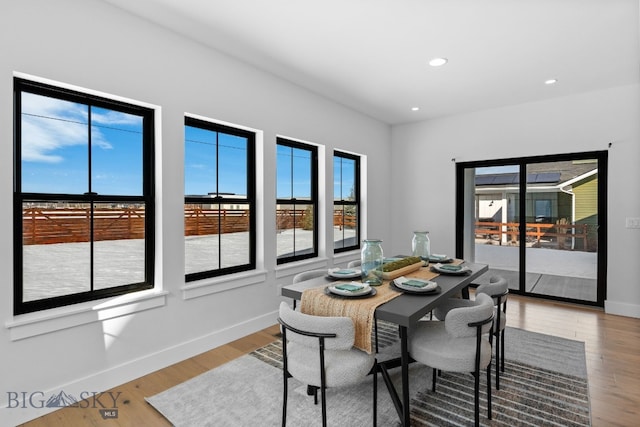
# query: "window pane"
284, 172
235, 239
214, 233
301, 173
337, 178
202, 237
232, 166
54, 144
200, 161
344, 178
56, 249
116, 152
345, 230
348, 179
119, 245
295, 230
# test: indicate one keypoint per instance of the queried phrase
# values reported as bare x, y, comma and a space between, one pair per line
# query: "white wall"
93, 45
424, 170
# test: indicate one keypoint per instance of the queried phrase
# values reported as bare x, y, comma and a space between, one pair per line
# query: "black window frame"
222, 198
280, 141
147, 198
522, 163
355, 202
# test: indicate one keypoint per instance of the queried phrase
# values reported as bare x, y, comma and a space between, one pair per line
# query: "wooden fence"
557, 234
340, 220
199, 222
42, 226
45, 226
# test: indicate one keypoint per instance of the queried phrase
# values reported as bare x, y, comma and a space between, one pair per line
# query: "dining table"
405, 311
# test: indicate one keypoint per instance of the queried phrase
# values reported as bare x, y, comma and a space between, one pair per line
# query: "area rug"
544, 384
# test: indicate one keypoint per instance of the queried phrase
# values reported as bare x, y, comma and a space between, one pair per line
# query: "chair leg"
312, 390
501, 351
324, 406
489, 389
284, 402
375, 327
375, 393
476, 398
498, 358
285, 376
433, 380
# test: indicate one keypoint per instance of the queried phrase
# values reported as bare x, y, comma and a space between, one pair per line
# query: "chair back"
354, 263
497, 288
462, 321
306, 275
304, 329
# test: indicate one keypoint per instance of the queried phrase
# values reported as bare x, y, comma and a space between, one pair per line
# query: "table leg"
465, 292
404, 355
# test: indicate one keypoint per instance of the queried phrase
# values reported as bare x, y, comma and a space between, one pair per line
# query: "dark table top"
407, 309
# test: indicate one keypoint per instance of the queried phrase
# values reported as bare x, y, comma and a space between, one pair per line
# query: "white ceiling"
372, 55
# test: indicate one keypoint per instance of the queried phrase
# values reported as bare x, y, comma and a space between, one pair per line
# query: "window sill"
223, 283
44, 322
293, 268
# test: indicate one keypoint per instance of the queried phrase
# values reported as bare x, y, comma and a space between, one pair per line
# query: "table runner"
314, 301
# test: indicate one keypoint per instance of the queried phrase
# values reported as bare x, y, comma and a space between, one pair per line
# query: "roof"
552, 173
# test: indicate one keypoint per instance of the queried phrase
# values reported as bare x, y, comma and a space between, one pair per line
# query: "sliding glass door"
539, 222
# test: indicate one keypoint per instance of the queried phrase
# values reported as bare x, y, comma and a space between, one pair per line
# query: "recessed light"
551, 81
438, 62
415, 108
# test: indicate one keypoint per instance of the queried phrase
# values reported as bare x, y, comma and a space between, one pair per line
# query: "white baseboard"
22, 406
622, 309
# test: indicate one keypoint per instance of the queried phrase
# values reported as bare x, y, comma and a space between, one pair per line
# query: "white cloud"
51, 125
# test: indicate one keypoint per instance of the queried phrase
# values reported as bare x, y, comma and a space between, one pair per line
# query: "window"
346, 202
542, 209
219, 214
296, 204
83, 197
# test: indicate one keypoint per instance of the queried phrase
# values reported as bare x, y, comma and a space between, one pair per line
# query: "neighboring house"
557, 193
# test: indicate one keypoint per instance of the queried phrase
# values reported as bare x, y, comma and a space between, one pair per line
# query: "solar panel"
507, 178
548, 177
484, 179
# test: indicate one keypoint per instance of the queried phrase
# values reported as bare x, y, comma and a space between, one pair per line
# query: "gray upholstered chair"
354, 263
306, 275
319, 351
462, 343
498, 289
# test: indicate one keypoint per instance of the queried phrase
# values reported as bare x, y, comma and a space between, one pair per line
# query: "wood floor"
612, 346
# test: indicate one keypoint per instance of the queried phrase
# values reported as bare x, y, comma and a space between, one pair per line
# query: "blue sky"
55, 143
200, 162
497, 169
55, 139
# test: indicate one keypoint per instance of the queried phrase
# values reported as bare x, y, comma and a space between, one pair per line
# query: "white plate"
345, 273
429, 285
366, 289
445, 270
439, 258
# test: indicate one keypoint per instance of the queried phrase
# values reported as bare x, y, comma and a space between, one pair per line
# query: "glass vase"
372, 258
421, 246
